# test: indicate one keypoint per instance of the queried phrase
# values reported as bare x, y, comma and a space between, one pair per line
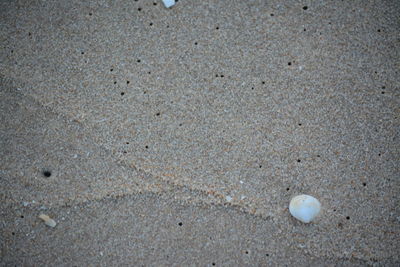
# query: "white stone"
168, 3
304, 208
47, 220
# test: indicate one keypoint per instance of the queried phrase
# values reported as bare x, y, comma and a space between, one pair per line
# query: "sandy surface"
211, 113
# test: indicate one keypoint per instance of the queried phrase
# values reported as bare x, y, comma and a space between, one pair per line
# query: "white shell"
168, 3
304, 208
47, 220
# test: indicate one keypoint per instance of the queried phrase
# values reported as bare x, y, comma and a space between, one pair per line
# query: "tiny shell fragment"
47, 220
168, 3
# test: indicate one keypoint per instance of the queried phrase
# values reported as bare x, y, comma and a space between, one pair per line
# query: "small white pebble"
304, 208
168, 3
47, 220
228, 198
241, 182
25, 204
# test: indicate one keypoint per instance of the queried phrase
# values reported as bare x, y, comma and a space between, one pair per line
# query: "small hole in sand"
46, 173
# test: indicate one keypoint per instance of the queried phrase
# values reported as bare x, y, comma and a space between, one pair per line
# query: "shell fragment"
168, 3
304, 208
47, 220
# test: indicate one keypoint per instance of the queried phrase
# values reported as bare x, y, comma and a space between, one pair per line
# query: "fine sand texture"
177, 137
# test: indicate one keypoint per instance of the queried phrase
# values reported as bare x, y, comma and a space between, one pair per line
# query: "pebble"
47, 220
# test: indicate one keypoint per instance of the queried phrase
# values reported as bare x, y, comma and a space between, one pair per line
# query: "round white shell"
304, 208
